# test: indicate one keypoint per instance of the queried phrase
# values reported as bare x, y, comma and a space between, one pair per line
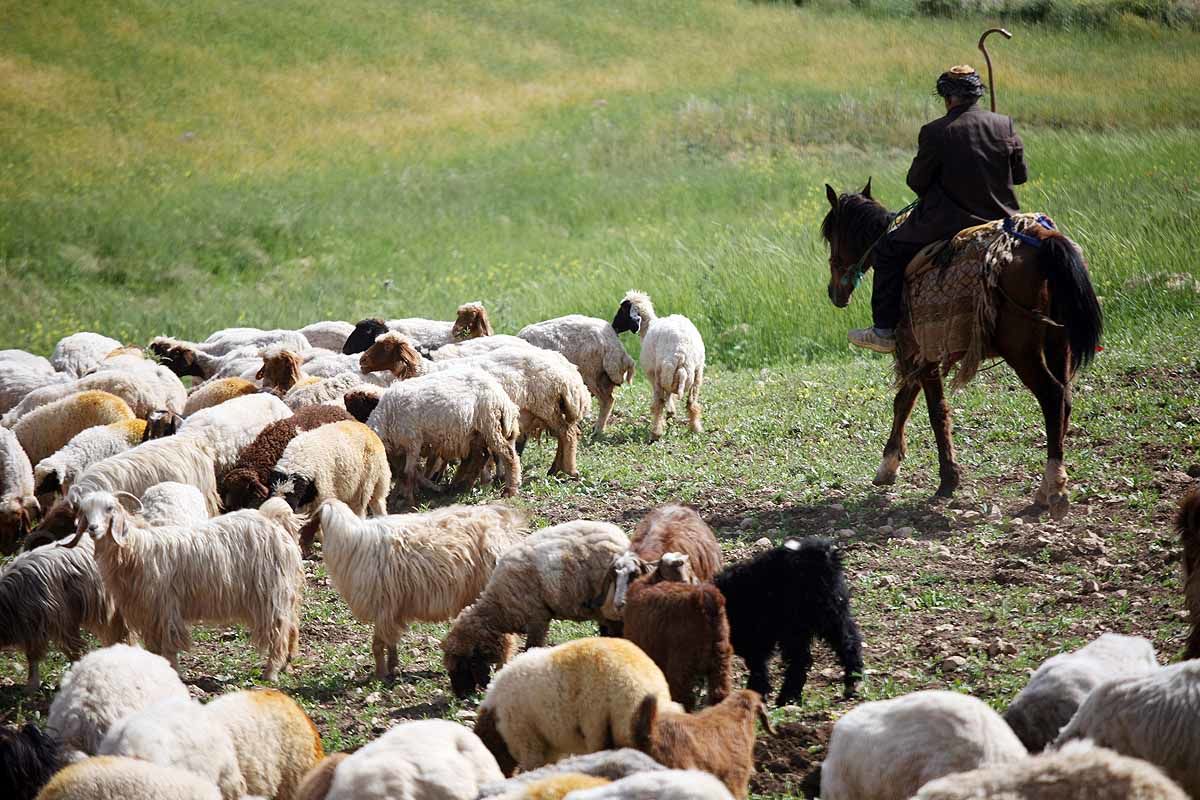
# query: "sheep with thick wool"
143, 394
328, 334
56, 472
1063, 682
80, 353
670, 784
48, 429
28, 759
593, 346
215, 392
173, 503
229, 340
888, 749
159, 387
31, 360
225, 430
282, 374
248, 484
241, 567
576, 698
610, 765
545, 387
672, 358
1151, 717
184, 359
557, 573
114, 778
18, 505
343, 461
471, 321
18, 379
431, 759
1187, 524
181, 458
105, 686
473, 348
1079, 769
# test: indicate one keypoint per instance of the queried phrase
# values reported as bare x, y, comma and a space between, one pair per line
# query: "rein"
855, 273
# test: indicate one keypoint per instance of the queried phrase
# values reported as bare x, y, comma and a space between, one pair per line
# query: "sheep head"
100, 514
626, 568
392, 352
161, 423
364, 333
280, 369
177, 357
471, 322
470, 650
627, 319
360, 404
675, 567
243, 489
297, 490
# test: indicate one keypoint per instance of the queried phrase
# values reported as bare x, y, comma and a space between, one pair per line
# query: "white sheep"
670, 784
610, 765
185, 459
30, 360
474, 347
470, 322
559, 572
57, 472
404, 568
448, 416
1151, 717
79, 353
593, 346
224, 342
672, 358
1062, 682
47, 430
576, 698
18, 379
104, 686
173, 503
327, 334
111, 778
186, 358
241, 567
225, 430
160, 388
343, 460
143, 392
1079, 769
888, 749
18, 505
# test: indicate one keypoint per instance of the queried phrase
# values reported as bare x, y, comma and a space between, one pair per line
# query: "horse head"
851, 228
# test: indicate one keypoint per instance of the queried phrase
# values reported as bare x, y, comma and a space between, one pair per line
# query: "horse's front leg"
896, 447
943, 431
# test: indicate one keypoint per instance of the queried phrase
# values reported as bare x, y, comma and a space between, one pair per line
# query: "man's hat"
960, 81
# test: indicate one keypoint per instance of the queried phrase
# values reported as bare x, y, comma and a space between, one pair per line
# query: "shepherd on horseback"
966, 166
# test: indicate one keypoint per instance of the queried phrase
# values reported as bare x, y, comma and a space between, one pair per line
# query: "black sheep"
28, 759
782, 599
364, 335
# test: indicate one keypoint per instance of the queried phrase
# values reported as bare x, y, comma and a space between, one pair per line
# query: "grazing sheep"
1061, 684
56, 472
185, 358
80, 353
143, 393
448, 416
215, 392
184, 459
18, 506
225, 430
471, 322
1187, 523
159, 388
361, 401
404, 568
670, 784
112, 778
888, 749
104, 686
718, 740
241, 567
327, 335
608, 764
161, 423
1080, 769
316, 783
472, 348
50, 595
246, 485
430, 758
671, 528
593, 346
173, 503
343, 461
683, 628
275, 741
28, 758
18, 379
576, 698
179, 734
1150, 717
329, 391
783, 598
48, 429
672, 358
557, 573
281, 373
224, 342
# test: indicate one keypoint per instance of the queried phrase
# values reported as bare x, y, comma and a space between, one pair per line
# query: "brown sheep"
281, 371
360, 403
1188, 525
247, 485
719, 740
683, 629
672, 528
319, 779
471, 322
161, 423
214, 392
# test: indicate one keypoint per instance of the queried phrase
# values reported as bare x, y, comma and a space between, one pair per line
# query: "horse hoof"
946, 491
884, 479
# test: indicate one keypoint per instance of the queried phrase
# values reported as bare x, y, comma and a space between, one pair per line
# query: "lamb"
111, 778
557, 573
56, 472
672, 358
28, 759
18, 379
104, 686
593, 346
327, 335
576, 698
783, 598
888, 749
449, 416
608, 764
470, 322
672, 528
670, 784
344, 461
224, 430
47, 430
144, 393
1187, 523
683, 628
430, 758
18, 505
80, 353
1080, 769
1061, 684
215, 392
1147, 717
241, 567
719, 740
246, 485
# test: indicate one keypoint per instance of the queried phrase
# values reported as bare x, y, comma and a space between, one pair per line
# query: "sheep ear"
258, 376
866, 192
116, 527
832, 195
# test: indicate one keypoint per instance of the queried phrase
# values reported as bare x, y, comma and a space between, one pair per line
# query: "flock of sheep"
144, 507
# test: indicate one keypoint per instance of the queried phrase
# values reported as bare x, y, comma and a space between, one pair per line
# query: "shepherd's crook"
988, 59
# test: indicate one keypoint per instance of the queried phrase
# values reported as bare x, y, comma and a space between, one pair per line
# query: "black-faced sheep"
1187, 523
28, 758
470, 322
671, 528
113, 778
783, 598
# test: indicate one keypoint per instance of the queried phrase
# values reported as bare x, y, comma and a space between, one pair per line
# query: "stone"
747, 523
1089, 587
953, 663
837, 507
971, 642
764, 543
847, 532
907, 532
886, 529
998, 646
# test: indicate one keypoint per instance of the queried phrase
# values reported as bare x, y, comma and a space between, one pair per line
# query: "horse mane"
862, 220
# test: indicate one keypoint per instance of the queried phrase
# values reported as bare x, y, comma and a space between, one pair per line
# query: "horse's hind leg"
943, 431
896, 447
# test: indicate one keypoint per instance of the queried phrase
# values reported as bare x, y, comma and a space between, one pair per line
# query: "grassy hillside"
183, 167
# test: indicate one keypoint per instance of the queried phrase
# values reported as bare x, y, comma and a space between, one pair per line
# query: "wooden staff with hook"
987, 58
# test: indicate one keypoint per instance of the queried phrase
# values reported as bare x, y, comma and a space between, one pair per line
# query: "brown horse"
1048, 324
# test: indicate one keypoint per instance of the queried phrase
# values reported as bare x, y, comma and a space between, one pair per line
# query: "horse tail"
1073, 302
